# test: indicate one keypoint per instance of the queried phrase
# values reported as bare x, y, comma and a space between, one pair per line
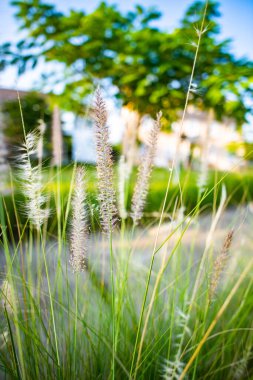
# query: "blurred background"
55, 53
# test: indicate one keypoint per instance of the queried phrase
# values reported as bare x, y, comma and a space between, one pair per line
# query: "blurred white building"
83, 144
211, 138
203, 138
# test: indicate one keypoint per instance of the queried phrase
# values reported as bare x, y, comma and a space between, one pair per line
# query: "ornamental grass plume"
240, 370
144, 173
122, 178
173, 368
8, 300
31, 181
107, 194
219, 264
79, 230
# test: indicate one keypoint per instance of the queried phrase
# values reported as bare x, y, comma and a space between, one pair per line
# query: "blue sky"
236, 22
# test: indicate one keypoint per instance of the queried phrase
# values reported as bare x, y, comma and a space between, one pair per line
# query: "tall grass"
68, 313
169, 299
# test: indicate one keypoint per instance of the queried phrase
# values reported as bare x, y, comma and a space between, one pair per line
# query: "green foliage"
150, 67
244, 148
34, 108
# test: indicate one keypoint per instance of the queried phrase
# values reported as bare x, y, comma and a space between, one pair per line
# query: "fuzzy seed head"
7, 296
122, 178
79, 230
172, 369
219, 264
202, 180
31, 181
107, 194
144, 173
240, 369
4, 338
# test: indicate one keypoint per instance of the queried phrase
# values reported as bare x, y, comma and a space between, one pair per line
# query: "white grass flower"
172, 369
202, 180
144, 173
4, 339
78, 236
122, 178
31, 182
107, 194
7, 296
57, 137
199, 32
219, 264
240, 370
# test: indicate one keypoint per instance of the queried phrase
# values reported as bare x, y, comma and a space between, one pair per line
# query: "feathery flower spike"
123, 176
7, 296
79, 230
144, 173
107, 194
219, 264
31, 181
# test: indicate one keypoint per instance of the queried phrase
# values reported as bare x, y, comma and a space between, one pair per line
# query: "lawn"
239, 188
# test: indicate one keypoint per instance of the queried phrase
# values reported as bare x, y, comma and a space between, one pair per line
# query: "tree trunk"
205, 150
131, 120
57, 141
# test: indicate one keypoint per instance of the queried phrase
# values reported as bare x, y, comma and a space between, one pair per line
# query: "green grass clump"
170, 298
58, 325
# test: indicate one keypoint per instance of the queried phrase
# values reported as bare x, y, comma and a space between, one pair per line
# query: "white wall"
83, 148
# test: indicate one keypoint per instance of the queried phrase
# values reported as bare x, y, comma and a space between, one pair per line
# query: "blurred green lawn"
239, 188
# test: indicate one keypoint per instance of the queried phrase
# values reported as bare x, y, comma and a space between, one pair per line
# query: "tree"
159, 72
34, 108
149, 67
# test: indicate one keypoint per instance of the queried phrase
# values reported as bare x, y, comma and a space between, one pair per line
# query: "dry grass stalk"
107, 194
144, 173
79, 230
219, 264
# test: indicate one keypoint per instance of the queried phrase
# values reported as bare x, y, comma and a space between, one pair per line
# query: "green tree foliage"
34, 108
149, 67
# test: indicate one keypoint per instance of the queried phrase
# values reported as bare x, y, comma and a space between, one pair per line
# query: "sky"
236, 23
